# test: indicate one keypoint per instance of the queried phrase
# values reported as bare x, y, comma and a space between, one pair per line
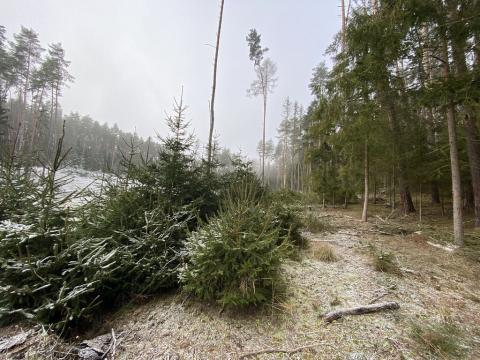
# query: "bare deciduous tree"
266, 81
214, 86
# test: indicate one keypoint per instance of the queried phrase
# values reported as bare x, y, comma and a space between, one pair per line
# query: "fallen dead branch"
360, 310
283, 351
378, 297
409, 271
380, 218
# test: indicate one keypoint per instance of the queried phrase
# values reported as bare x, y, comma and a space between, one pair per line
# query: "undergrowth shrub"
16, 191
286, 207
62, 267
235, 259
65, 266
314, 224
384, 261
76, 279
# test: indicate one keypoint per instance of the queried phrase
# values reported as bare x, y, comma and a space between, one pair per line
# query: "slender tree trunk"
442, 203
52, 125
214, 86
421, 203
393, 189
344, 23
454, 158
365, 191
263, 138
471, 130
473, 150
390, 189
23, 108
434, 193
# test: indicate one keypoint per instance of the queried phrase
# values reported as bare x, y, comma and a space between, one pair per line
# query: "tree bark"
394, 187
365, 191
454, 158
214, 86
263, 138
471, 130
434, 193
344, 23
421, 203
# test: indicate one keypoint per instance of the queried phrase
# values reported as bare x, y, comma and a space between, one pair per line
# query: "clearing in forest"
438, 292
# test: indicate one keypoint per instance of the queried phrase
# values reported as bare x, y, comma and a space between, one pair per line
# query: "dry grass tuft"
323, 252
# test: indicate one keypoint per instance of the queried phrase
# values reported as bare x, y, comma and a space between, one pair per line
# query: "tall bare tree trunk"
421, 204
263, 138
344, 23
214, 86
454, 160
365, 192
394, 187
471, 130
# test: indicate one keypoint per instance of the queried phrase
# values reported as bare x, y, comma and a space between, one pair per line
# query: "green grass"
439, 339
314, 224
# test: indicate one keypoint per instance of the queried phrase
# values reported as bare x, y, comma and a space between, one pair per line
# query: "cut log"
360, 310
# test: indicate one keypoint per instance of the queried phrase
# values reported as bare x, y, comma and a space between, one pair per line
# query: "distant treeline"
31, 119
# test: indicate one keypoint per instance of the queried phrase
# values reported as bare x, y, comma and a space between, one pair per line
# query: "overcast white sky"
130, 58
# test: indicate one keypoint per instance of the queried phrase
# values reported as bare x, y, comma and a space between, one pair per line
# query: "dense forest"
32, 80
397, 113
367, 201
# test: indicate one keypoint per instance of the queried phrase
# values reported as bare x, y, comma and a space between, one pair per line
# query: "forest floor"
438, 291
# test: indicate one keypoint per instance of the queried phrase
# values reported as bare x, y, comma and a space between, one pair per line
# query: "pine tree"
265, 70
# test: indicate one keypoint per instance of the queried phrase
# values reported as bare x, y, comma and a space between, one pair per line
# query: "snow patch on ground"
79, 179
10, 226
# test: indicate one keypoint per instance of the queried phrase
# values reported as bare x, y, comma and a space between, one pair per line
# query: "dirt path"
436, 285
